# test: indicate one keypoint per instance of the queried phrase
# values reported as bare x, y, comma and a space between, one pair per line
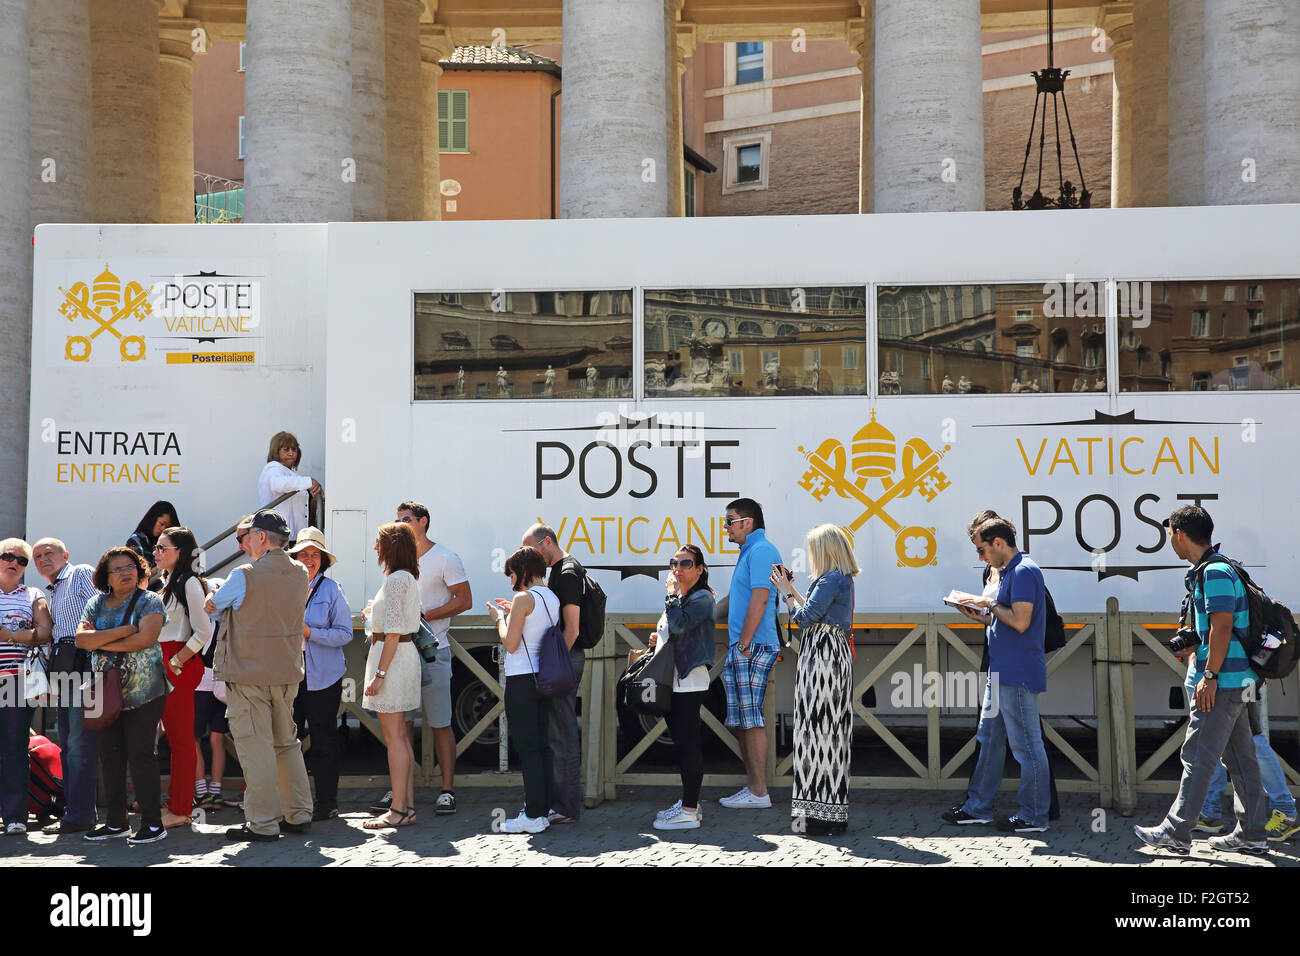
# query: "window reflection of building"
1214, 336
523, 345
992, 339
755, 341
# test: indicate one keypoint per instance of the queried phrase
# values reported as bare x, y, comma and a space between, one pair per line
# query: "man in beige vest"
259, 657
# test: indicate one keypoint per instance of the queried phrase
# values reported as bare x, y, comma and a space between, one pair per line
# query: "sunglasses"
163, 547
19, 559
728, 522
239, 538
684, 563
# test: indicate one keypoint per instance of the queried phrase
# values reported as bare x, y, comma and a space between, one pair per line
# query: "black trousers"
129, 740
318, 711
684, 725
528, 716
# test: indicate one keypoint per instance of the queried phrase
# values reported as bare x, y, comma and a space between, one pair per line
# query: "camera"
1185, 639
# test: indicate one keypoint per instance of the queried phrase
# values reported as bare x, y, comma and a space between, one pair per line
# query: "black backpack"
591, 613
1267, 618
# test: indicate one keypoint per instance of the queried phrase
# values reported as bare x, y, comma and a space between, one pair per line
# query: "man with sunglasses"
750, 607
70, 587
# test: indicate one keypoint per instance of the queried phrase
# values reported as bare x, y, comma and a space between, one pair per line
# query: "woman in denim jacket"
687, 623
823, 709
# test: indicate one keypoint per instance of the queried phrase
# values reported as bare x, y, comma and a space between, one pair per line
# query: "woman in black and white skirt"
823, 685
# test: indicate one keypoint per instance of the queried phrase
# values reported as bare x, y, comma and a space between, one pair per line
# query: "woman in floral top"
120, 627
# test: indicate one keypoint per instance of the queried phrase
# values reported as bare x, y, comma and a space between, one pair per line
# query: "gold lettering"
1123, 462
1034, 469
663, 536
1062, 446
1160, 456
630, 547
1194, 445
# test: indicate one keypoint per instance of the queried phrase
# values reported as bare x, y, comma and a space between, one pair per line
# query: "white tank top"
535, 625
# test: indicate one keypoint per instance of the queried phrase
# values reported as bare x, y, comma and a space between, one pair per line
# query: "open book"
974, 602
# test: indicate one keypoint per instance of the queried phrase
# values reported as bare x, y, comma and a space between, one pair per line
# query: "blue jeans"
15, 722
1271, 774
1014, 721
80, 755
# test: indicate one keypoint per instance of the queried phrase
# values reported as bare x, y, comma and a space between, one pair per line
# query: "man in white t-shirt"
444, 593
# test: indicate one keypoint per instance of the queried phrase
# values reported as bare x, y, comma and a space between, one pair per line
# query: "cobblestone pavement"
886, 828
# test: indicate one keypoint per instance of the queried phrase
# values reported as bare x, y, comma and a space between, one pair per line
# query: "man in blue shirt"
1225, 683
750, 607
1017, 675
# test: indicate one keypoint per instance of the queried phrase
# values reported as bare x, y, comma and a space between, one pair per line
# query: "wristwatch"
380, 673
1210, 675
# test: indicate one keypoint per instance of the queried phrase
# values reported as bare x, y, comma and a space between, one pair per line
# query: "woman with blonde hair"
280, 475
393, 664
823, 684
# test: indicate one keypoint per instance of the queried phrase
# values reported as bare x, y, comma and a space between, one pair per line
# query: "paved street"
889, 828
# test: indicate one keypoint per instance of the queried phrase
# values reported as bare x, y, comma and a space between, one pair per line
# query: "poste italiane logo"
875, 457
104, 304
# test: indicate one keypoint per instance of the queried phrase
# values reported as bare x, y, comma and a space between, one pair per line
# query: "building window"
1200, 323
453, 121
735, 361
690, 191
242, 44
1025, 350
240, 154
850, 357
747, 162
925, 368
749, 63
1254, 319
1229, 293
1255, 293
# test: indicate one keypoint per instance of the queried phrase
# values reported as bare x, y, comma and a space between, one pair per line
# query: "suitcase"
45, 780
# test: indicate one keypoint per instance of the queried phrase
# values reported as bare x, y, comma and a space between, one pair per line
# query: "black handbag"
68, 658
647, 686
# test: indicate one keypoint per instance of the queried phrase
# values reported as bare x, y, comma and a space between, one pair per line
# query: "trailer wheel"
470, 700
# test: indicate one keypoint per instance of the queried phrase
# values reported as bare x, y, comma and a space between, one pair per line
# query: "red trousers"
178, 724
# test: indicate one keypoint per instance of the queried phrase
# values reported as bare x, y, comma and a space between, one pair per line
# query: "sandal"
408, 817
171, 820
379, 823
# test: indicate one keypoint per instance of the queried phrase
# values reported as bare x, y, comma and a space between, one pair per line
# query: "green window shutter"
444, 121
459, 121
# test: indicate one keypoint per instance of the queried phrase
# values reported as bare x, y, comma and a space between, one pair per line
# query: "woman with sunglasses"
280, 475
120, 627
186, 633
687, 624
24, 621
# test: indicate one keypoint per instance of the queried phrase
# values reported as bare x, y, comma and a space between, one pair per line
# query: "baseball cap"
272, 521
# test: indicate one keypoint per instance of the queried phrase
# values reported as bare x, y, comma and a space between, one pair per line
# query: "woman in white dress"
393, 665
280, 475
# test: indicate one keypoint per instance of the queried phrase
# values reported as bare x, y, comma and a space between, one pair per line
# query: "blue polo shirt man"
753, 648
1017, 675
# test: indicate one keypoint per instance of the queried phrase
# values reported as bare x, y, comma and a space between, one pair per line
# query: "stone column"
862, 39
679, 44
59, 142
928, 107
176, 120
124, 138
1150, 145
614, 124
1187, 103
298, 111
15, 262
369, 112
1121, 120
1252, 101
435, 46
404, 109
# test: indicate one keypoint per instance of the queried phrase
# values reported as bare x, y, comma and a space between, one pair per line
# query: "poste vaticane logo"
102, 305
875, 458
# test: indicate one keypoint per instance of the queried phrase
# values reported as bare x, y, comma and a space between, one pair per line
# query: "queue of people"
260, 656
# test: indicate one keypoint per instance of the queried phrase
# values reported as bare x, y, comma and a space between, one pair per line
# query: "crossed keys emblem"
105, 297
874, 456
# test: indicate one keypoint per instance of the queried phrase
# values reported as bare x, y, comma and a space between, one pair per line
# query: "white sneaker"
671, 811
679, 820
745, 800
525, 824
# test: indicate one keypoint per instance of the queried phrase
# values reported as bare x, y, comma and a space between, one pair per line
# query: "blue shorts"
744, 678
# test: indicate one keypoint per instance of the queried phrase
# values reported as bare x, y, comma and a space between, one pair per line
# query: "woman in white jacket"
281, 475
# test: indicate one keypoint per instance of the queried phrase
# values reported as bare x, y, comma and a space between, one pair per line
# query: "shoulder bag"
102, 700
554, 672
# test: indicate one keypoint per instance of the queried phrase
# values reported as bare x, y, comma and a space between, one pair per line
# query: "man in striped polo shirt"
1219, 728
70, 587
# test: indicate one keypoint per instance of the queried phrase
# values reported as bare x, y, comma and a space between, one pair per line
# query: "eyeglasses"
128, 569
728, 522
684, 563
19, 559
163, 547
239, 538
292, 448
407, 520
